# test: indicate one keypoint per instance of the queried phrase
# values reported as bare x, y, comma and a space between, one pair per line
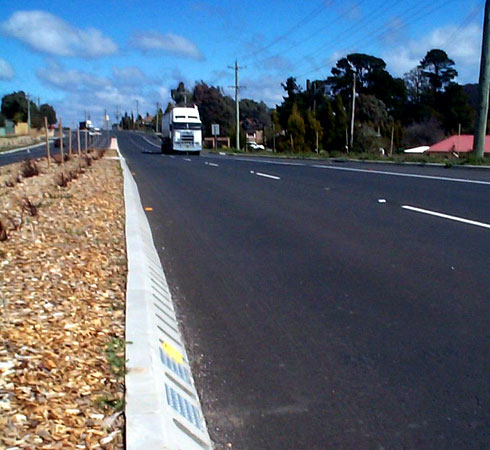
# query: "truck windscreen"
186, 126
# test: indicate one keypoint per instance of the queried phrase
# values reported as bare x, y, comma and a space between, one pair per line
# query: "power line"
311, 35
311, 15
414, 17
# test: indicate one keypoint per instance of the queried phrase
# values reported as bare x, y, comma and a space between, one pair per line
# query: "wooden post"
392, 136
78, 141
47, 141
69, 142
62, 155
86, 144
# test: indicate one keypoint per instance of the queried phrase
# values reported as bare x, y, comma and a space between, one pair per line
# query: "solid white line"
16, 150
446, 216
400, 174
265, 175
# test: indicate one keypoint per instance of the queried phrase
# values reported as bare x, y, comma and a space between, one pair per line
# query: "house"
457, 144
148, 122
253, 131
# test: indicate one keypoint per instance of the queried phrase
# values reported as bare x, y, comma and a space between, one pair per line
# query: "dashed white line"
401, 174
265, 175
446, 216
211, 164
187, 159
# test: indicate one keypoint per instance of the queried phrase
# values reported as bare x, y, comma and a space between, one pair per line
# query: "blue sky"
91, 56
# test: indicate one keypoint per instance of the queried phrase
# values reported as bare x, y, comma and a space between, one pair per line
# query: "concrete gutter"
162, 405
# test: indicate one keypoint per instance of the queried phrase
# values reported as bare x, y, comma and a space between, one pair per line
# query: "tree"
13, 104
296, 129
326, 117
437, 69
455, 109
214, 107
343, 73
48, 111
257, 114
181, 95
313, 131
2, 120
284, 110
416, 84
371, 110
339, 139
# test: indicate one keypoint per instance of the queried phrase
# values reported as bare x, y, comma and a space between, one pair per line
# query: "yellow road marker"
171, 351
148, 208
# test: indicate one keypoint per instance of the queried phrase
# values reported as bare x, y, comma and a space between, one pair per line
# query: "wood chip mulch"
62, 293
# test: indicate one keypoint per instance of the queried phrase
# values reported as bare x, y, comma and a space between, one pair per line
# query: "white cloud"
264, 88
47, 33
6, 70
171, 43
70, 80
130, 76
463, 45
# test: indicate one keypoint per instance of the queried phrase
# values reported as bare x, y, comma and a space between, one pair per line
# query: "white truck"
182, 131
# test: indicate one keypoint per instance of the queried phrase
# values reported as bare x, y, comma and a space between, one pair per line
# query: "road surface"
327, 305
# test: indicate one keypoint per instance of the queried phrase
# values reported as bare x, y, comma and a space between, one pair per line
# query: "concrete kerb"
162, 405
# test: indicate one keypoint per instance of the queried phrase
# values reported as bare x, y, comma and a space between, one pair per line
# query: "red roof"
460, 144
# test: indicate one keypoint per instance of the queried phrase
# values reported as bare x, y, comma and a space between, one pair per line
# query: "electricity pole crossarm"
237, 101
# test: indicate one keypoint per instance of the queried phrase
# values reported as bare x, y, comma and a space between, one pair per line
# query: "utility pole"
484, 85
237, 102
353, 111
158, 117
137, 111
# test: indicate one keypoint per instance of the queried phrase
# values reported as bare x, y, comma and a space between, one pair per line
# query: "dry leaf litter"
62, 291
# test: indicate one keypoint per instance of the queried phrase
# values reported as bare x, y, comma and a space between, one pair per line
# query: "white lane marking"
446, 216
401, 174
187, 159
173, 157
211, 164
279, 163
265, 175
222, 153
149, 142
381, 200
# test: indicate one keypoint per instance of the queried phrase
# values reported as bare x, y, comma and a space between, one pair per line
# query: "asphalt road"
39, 151
320, 312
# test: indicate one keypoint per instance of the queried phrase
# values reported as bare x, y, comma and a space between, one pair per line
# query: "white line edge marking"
400, 174
265, 175
446, 216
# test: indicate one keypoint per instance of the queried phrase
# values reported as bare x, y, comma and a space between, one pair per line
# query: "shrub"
29, 169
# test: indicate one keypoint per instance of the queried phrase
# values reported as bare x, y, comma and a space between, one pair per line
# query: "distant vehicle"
86, 125
97, 130
182, 131
255, 146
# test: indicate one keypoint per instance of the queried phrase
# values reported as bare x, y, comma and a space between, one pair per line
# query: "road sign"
215, 129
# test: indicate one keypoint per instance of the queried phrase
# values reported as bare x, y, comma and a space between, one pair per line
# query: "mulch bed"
62, 301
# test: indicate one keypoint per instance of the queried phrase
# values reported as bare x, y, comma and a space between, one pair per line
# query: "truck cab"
182, 131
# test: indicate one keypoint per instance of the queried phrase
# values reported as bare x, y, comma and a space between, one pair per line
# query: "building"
456, 145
